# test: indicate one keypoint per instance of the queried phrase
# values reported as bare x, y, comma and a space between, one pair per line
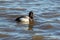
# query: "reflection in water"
30, 26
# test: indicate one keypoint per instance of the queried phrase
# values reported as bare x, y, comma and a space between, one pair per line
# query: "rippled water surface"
46, 16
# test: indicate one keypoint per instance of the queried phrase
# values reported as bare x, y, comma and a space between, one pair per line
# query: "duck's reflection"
30, 27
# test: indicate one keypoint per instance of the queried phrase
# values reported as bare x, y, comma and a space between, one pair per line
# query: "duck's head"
31, 14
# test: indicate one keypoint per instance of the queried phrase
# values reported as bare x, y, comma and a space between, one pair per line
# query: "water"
46, 16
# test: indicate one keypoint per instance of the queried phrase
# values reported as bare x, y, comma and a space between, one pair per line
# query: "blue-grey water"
46, 16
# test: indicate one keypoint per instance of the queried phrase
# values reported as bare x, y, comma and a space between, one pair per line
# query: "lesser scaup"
25, 19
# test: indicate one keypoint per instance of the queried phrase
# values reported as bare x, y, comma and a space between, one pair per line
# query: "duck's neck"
31, 16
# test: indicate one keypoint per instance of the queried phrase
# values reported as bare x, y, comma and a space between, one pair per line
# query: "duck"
25, 19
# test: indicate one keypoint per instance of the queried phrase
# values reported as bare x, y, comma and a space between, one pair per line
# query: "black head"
31, 14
